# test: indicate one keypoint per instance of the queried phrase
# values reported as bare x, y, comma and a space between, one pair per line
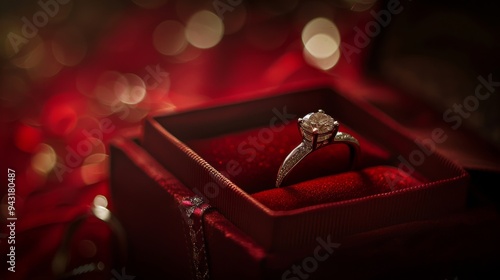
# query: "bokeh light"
94, 169
27, 138
321, 39
100, 200
130, 88
99, 208
321, 45
44, 160
204, 29
321, 25
169, 37
102, 213
59, 119
322, 63
104, 90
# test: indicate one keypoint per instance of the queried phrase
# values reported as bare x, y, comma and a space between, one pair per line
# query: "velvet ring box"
230, 154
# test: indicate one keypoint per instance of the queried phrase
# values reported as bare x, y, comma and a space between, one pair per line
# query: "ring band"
318, 130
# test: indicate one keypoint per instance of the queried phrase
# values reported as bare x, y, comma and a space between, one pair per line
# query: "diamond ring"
318, 130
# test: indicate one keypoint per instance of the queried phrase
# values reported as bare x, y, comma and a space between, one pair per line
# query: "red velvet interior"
251, 159
337, 187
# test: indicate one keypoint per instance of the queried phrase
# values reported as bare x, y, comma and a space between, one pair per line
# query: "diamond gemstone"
320, 121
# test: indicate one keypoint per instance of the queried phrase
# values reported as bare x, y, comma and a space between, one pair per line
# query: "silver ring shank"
353, 145
303, 149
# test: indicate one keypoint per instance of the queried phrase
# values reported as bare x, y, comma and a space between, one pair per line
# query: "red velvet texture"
251, 159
